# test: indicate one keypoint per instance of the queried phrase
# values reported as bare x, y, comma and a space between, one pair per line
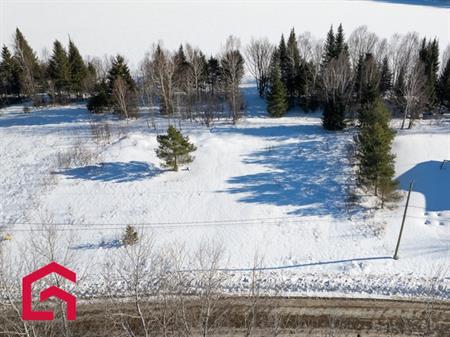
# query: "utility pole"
403, 222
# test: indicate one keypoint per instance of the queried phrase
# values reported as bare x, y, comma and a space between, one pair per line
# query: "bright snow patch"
276, 186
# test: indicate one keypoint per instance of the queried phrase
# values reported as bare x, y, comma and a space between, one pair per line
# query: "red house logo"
27, 282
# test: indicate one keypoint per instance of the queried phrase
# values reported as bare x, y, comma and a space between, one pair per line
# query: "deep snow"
275, 186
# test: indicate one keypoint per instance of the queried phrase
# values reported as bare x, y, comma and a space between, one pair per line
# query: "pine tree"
9, 75
376, 162
329, 48
100, 100
277, 99
399, 87
78, 69
174, 149
334, 113
119, 68
283, 61
368, 84
443, 89
385, 77
27, 61
58, 68
429, 55
213, 72
130, 236
292, 68
339, 44
181, 69
122, 88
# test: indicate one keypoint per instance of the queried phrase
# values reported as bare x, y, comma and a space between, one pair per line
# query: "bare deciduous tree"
209, 258
360, 43
163, 71
232, 71
258, 54
414, 97
337, 79
403, 53
134, 266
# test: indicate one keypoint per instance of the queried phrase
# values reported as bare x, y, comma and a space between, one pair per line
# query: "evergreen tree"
329, 48
9, 75
370, 80
119, 68
27, 61
339, 42
181, 69
174, 149
283, 61
130, 236
293, 68
58, 68
122, 88
78, 69
277, 99
334, 113
399, 87
385, 77
91, 77
100, 100
376, 162
443, 89
213, 72
429, 55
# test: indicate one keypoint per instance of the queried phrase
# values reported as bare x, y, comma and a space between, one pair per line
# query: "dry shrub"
78, 155
101, 132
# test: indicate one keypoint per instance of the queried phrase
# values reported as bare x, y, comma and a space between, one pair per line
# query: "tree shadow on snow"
100, 245
308, 173
52, 116
278, 132
432, 181
117, 172
313, 264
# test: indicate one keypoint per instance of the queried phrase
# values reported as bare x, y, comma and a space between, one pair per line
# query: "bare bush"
100, 131
134, 265
78, 155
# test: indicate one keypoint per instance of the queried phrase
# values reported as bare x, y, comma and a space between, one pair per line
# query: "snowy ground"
272, 186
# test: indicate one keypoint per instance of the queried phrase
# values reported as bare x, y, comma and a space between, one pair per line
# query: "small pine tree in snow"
174, 149
130, 236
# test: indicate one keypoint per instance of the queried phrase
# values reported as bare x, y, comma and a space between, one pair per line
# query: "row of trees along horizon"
360, 81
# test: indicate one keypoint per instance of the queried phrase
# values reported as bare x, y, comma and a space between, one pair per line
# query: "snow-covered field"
277, 187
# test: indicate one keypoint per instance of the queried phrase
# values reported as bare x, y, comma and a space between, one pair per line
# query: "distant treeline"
409, 73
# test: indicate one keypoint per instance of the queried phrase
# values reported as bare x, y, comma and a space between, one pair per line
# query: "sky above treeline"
129, 27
